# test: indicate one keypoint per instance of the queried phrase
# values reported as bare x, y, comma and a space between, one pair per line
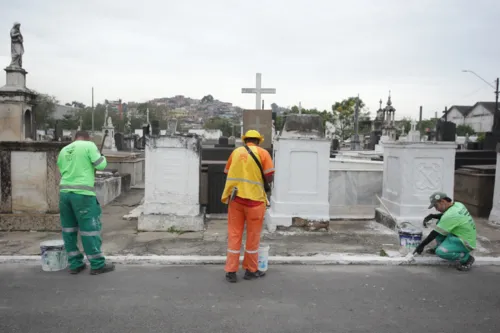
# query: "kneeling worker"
455, 233
249, 169
78, 206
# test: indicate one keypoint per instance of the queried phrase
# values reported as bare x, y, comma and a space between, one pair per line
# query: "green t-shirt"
457, 221
76, 163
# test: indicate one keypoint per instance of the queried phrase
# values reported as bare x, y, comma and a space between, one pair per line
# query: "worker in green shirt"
455, 232
79, 209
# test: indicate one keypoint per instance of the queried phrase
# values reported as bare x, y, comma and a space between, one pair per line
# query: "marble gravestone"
261, 121
302, 156
172, 185
109, 141
412, 172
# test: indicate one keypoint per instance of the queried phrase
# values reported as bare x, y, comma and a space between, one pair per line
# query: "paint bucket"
263, 257
54, 256
409, 236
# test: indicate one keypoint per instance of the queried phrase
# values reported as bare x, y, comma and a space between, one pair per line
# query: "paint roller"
410, 257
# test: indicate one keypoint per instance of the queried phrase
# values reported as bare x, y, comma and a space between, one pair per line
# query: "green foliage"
44, 110
427, 124
207, 99
343, 117
406, 124
223, 124
481, 136
464, 130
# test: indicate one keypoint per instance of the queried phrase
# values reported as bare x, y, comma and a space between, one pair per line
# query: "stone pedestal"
495, 210
172, 185
301, 157
29, 186
17, 121
412, 172
260, 120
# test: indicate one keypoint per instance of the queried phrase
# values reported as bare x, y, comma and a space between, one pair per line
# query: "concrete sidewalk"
352, 239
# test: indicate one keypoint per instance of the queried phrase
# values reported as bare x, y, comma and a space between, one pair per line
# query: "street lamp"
496, 116
472, 72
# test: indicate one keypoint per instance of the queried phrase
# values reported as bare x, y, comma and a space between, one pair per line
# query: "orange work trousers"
236, 217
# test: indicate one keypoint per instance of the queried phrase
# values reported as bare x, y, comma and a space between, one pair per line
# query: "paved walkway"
120, 237
291, 299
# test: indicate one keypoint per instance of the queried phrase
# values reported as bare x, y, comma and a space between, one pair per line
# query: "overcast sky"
313, 51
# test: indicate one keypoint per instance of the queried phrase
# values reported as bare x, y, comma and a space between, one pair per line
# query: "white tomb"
495, 210
301, 157
412, 172
172, 185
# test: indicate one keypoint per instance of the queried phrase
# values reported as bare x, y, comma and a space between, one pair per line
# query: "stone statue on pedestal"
16, 46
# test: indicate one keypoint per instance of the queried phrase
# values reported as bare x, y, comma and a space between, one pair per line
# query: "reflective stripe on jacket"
244, 174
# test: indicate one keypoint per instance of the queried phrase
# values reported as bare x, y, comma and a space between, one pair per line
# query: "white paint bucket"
263, 257
409, 236
54, 256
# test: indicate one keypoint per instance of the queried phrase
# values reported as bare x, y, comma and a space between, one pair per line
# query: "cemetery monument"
259, 119
16, 101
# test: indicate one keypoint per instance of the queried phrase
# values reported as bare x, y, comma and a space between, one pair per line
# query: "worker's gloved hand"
430, 217
420, 248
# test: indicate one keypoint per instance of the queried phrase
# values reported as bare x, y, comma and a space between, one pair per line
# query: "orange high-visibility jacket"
244, 174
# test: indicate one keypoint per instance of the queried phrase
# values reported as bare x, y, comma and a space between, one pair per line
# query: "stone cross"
258, 90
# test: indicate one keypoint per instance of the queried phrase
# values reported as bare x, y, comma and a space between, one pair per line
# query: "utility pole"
355, 140
496, 123
92, 110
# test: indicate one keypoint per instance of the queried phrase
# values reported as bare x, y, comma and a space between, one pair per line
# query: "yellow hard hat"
252, 134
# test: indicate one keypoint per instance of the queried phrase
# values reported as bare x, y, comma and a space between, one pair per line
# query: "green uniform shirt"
76, 163
457, 221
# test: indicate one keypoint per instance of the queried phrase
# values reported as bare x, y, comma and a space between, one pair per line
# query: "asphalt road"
290, 299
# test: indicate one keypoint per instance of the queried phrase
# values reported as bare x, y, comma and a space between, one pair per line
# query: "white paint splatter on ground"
381, 229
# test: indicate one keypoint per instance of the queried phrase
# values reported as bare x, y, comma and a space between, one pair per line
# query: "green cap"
435, 197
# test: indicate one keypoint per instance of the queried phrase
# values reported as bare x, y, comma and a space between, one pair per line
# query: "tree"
343, 116
406, 122
207, 99
464, 130
222, 124
427, 124
44, 110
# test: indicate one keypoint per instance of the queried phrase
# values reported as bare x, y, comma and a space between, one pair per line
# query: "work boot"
108, 267
231, 277
253, 275
78, 269
465, 267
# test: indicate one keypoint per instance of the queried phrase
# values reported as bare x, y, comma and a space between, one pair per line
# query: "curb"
332, 259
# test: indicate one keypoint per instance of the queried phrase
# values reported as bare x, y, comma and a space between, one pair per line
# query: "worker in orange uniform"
249, 171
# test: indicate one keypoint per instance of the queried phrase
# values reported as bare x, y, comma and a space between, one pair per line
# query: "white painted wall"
353, 186
172, 185
207, 134
300, 183
480, 119
495, 210
412, 172
29, 182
